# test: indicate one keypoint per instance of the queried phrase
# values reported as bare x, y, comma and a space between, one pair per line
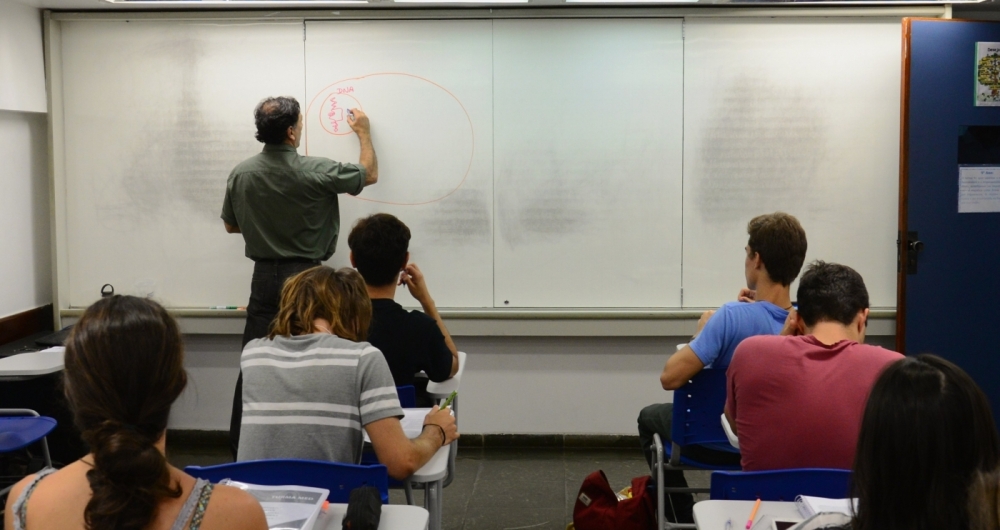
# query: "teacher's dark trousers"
265, 293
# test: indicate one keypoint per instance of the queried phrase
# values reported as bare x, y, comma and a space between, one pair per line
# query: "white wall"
22, 67
517, 385
25, 267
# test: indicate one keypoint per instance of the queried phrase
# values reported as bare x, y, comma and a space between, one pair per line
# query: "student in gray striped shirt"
311, 385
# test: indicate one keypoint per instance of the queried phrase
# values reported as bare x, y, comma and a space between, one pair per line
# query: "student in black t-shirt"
411, 341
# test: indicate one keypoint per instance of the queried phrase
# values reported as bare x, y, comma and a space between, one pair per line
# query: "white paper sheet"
286, 507
978, 189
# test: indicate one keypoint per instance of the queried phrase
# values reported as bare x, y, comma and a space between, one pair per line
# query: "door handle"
914, 247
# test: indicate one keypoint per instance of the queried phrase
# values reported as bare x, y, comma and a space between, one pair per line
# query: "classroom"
576, 177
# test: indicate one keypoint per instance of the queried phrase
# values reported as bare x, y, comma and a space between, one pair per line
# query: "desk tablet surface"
712, 515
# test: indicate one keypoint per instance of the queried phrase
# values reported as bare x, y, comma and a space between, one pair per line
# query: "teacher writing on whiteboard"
285, 205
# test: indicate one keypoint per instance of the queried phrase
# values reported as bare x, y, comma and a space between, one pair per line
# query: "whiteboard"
587, 170
426, 87
575, 163
156, 116
796, 115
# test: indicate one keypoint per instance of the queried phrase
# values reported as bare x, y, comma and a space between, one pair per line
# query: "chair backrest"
337, 477
780, 485
20, 432
407, 396
698, 407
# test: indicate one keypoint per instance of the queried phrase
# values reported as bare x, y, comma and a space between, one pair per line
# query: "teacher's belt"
283, 261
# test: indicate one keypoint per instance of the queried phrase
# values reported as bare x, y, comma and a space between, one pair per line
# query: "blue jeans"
265, 293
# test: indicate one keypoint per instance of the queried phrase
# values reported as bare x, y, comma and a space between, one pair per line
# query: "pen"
753, 513
450, 399
225, 307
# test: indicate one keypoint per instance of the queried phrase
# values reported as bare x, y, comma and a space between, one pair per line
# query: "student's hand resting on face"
444, 419
414, 281
791, 324
747, 295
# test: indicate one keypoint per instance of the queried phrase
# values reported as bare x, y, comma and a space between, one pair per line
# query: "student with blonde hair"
124, 369
312, 384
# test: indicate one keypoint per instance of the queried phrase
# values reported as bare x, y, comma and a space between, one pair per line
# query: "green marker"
450, 399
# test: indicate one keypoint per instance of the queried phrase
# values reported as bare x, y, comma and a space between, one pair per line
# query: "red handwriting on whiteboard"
335, 115
345, 90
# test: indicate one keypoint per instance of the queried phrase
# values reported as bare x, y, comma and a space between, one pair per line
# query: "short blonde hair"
337, 296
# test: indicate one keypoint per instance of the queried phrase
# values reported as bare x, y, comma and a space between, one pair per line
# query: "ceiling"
987, 9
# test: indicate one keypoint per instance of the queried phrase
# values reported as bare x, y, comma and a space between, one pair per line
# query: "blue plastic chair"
20, 428
698, 408
337, 477
407, 396
780, 485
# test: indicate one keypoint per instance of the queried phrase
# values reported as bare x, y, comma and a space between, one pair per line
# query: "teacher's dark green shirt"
286, 205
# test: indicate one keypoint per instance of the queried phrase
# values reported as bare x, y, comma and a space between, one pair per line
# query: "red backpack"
598, 508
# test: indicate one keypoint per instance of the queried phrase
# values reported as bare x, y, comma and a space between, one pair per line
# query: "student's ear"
406, 261
351, 256
862, 321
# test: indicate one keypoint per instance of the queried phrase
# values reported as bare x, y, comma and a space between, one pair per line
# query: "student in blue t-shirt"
774, 256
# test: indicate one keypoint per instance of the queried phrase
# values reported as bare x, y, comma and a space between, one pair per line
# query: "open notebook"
810, 506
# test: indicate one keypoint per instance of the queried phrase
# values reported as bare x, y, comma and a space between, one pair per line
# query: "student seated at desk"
411, 341
775, 251
796, 401
312, 384
927, 452
124, 369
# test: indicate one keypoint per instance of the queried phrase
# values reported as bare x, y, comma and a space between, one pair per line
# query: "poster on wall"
988, 74
978, 169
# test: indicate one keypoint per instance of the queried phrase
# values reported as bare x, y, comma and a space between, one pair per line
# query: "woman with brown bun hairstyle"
124, 369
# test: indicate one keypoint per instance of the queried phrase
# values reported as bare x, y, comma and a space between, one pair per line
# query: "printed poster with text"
988, 74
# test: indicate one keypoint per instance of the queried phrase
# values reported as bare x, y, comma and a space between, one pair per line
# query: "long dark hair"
124, 369
926, 432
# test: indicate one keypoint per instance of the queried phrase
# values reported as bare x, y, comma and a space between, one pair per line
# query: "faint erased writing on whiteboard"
978, 189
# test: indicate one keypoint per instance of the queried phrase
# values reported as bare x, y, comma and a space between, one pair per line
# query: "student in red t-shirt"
797, 401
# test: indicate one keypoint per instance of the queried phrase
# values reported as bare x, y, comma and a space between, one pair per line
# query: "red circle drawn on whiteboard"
339, 121
472, 131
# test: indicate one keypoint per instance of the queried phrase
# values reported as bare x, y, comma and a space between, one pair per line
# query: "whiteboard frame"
369, 13
518, 323
496, 321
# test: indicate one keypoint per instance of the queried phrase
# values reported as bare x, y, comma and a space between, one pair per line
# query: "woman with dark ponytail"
124, 369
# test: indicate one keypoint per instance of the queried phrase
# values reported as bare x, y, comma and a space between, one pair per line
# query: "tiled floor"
506, 489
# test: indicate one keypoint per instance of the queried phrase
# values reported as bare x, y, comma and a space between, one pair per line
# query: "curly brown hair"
337, 296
